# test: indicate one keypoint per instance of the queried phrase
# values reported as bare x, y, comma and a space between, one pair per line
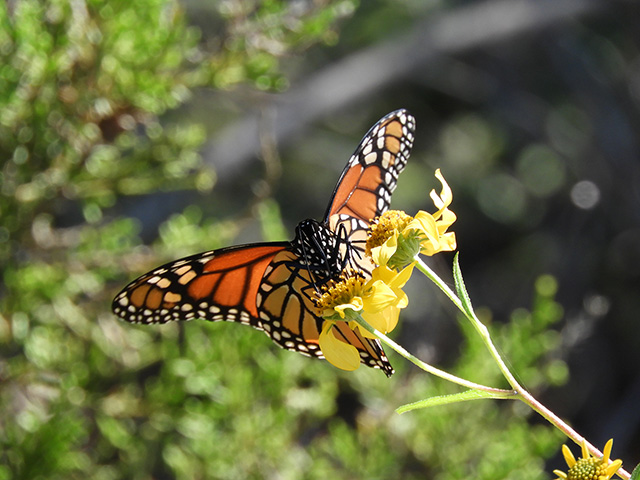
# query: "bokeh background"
133, 133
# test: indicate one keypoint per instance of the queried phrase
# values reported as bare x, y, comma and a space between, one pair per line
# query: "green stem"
519, 391
478, 325
557, 422
495, 392
431, 275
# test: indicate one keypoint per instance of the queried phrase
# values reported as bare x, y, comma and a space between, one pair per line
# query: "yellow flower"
335, 351
395, 238
588, 467
377, 301
385, 298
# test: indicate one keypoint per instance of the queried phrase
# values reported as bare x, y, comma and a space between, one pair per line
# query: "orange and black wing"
370, 177
289, 317
219, 285
262, 285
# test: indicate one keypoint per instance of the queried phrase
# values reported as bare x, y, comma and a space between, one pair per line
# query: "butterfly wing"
262, 285
288, 316
216, 285
370, 177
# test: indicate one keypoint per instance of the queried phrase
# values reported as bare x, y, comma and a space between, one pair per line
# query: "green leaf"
635, 475
446, 399
461, 290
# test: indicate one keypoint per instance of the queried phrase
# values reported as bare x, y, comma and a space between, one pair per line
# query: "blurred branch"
360, 75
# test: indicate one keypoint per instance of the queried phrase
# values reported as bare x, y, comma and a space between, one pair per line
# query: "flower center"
349, 284
586, 469
383, 226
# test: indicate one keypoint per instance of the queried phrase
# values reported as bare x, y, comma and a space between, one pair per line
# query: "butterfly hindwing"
289, 317
286, 311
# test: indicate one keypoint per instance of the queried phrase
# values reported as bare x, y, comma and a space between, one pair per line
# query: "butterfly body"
270, 286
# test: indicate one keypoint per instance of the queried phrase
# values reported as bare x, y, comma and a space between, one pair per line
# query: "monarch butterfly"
270, 285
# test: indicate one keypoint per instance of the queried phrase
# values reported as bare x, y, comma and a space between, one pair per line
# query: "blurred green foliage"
83, 395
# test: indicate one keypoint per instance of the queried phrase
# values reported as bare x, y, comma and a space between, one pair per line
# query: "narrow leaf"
461, 290
446, 399
635, 475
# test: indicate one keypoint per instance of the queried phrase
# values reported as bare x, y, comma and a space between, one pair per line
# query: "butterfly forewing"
367, 182
370, 177
216, 285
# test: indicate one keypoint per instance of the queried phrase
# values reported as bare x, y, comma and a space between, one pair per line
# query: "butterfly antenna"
344, 240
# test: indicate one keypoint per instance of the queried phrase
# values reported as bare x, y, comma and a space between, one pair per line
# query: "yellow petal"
384, 321
391, 277
388, 317
568, 456
380, 296
585, 450
387, 288
402, 299
427, 226
377, 320
613, 468
561, 475
447, 219
445, 198
607, 451
424, 223
337, 352
382, 273
446, 243
356, 304
402, 277
446, 193
384, 252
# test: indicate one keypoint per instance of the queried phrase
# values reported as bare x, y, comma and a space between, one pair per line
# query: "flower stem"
478, 325
431, 275
557, 422
520, 392
495, 392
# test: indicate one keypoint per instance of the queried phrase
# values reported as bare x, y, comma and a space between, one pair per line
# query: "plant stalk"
518, 390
